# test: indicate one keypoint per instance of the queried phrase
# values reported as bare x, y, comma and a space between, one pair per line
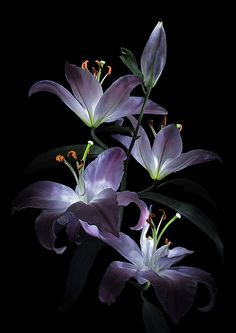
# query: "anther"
163, 213
60, 158
167, 242
72, 154
85, 65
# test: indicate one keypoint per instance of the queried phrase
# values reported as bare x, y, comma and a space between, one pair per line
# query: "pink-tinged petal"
134, 106
45, 195
102, 211
147, 245
45, 229
64, 95
113, 281
192, 157
113, 98
202, 277
141, 151
153, 58
105, 171
165, 258
175, 291
125, 245
167, 144
85, 87
125, 198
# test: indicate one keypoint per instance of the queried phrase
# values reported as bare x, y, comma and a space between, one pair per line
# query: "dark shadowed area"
192, 88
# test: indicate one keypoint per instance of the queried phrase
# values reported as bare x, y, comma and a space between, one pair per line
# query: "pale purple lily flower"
175, 287
165, 156
94, 200
89, 102
153, 58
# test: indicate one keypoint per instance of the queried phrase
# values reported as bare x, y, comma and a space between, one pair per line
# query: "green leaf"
128, 58
153, 319
192, 213
194, 188
48, 159
115, 129
81, 264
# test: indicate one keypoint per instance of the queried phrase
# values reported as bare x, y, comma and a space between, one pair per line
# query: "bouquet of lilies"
95, 206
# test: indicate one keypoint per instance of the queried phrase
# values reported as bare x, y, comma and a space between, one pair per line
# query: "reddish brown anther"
163, 213
60, 158
80, 165
167, 242
72, 154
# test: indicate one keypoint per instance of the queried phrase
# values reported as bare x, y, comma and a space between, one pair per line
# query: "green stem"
95, 138
134, 137
149, 188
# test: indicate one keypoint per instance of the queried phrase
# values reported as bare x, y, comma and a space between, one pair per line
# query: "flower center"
97, 72
156, 232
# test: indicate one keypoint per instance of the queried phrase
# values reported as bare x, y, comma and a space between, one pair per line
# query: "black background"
194, 88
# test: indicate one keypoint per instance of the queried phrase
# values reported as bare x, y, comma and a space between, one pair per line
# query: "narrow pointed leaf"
81, 264
48, 159
192, 213
128, 58
153, 318
194, 188
115, 129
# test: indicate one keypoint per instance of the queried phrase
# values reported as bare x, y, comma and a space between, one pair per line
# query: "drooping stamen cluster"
97, 73
156, 232
79, 163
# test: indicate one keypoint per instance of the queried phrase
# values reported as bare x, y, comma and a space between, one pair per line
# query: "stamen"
164, 122
108, 73
177, 216
80, 165
179, 127
150, 123
150, 221
85, 65
60, 158
109, 70
167, 242
72, 154
95, 72
163, 213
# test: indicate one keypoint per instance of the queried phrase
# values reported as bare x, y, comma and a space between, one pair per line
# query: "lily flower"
175, 286
89, 102
153, 58
165, 156
94, 199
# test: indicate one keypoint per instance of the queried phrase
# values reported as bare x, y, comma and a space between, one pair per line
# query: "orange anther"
72, 154
60, 158
109, 70
85, 65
